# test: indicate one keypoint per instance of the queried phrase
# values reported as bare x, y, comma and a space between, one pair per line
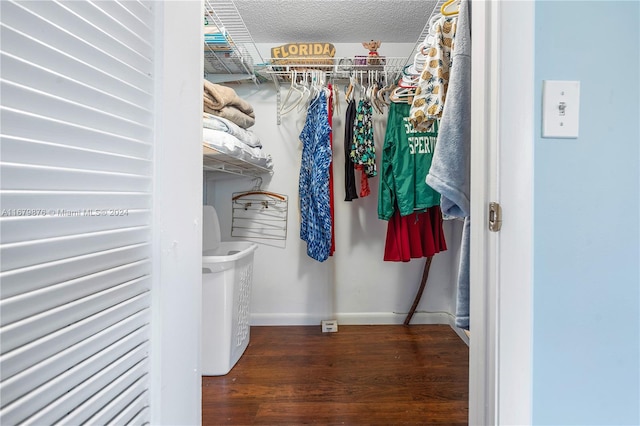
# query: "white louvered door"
76, 158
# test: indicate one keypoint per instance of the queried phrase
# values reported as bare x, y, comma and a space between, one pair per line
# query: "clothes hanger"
411, 84
434, 18
402, 94
336, 98
378, 105
295, 88
316, 84
257, 190
322, 78
316, 87
375, 88
308, 92
430, 39
348, 94
368, 93
384, 94
408, 79
304, 92
352, 83
268, 193
448, 3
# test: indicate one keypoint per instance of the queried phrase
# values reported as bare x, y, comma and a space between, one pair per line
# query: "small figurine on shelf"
373, 58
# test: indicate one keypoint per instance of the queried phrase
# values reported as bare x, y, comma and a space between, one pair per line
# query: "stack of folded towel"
223, 102
221, 124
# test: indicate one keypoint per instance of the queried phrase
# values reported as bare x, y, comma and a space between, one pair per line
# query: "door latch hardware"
495, 217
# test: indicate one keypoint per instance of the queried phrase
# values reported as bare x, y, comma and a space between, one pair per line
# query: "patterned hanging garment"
315, 209
363, 151
428, 101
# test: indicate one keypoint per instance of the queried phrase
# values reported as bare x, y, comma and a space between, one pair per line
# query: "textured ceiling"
333, 21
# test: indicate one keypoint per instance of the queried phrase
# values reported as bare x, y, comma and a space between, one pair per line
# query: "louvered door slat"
21, 151
67, 315
102, 399
37, 351
25, 98
69, 200
122, 401
35, 302
131, 411
26, 21
71, 223
114, 23
99, 34
19, 71
68, 382
70, 132
140, 418
44, 54
80, 385
29, 355
64, 250
78, 84
140, 10
31, 177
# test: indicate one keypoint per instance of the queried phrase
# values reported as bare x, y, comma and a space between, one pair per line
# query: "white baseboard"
461, 333
388, 318
286, 319
360, 318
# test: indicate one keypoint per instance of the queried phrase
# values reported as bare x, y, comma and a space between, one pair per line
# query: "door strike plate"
495, 217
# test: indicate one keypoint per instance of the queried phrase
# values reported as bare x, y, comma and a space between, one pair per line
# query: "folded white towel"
246, 136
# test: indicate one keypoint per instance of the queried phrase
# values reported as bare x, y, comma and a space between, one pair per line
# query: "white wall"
355, 285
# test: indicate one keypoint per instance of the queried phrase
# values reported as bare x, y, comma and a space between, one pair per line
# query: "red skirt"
414, 236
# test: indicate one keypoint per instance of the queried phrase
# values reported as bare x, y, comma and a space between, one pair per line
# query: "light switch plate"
560, 109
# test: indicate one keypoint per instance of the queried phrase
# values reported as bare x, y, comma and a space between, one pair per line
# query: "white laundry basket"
227, 278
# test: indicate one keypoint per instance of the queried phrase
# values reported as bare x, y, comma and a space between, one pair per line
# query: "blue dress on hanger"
315, 209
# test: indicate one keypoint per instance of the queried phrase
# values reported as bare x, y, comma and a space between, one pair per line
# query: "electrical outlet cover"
329, 326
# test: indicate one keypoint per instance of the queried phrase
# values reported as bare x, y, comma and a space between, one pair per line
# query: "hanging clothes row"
450, 171
405, 200
359, 143
317, 227
304, 87
409, 205
443, 94
423, 89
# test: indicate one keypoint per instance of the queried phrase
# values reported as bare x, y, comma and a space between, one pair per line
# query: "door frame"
500, 372
175, 382
500, 356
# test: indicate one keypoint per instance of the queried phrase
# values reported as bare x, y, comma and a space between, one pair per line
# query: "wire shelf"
217, 161
335, 68
235, 59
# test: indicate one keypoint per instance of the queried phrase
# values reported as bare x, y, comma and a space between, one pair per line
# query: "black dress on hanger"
351, 192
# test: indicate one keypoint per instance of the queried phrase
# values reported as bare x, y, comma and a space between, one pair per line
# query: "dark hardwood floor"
361, 375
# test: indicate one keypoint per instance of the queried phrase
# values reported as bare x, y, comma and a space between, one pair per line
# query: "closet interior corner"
329, 155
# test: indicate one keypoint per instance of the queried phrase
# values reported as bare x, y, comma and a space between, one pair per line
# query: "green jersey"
406, 159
